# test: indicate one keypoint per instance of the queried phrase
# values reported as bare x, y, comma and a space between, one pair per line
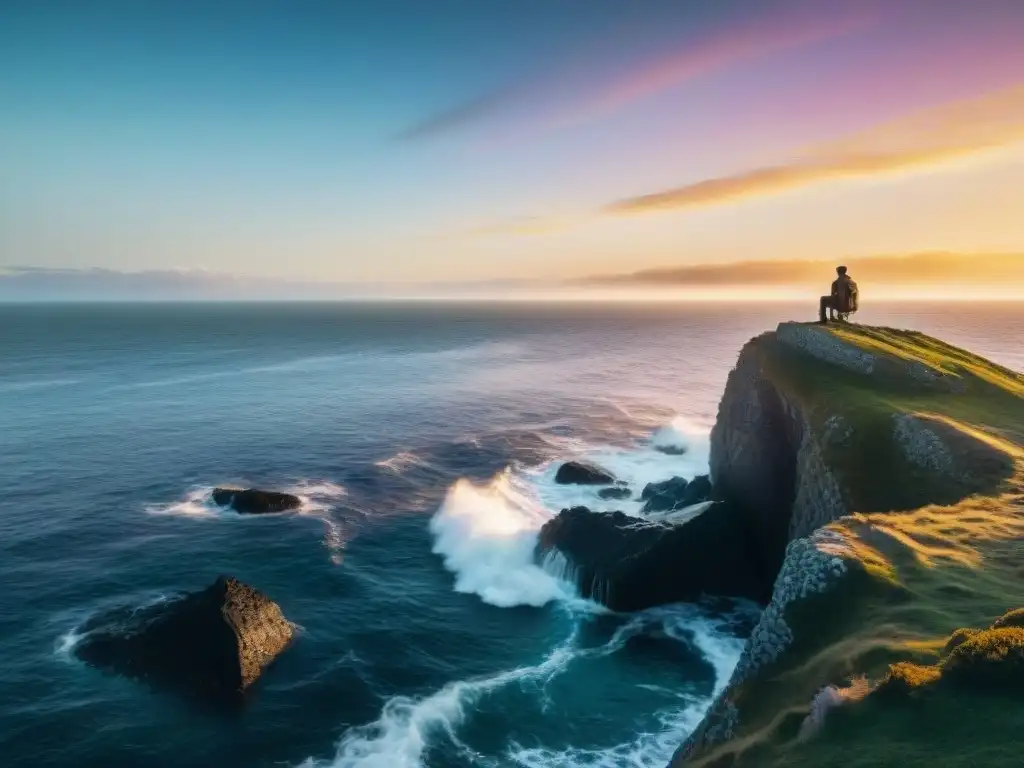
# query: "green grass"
935, 552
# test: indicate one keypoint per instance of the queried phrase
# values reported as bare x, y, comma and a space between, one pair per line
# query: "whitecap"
684, 436
487, 536
400, 462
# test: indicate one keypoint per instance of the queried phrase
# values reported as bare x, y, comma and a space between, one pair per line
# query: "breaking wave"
486, 534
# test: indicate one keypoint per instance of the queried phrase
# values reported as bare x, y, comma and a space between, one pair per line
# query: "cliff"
880, 473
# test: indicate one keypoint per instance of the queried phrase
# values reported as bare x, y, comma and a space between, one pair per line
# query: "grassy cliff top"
973, 408
927, 443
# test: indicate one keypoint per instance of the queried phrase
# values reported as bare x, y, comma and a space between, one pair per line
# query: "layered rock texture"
212, 644
858, 462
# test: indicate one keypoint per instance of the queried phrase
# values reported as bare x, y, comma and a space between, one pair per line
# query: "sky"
397, 142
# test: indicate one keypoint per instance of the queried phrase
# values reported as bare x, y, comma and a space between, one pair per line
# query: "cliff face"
766, 456
816, 430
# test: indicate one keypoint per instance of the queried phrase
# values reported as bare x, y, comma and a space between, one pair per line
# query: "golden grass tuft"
906, 677
991, 659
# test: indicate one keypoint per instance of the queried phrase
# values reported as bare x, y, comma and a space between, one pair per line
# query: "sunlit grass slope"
938, 548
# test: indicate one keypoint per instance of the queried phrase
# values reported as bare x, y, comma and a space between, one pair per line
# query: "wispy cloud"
925, 138
465, 113
579, 90
879, 271
729, 48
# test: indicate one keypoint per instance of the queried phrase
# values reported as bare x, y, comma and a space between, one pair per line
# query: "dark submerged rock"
617, 492
671, 450
579, 473
255, 502
211, 644
676, 493
629, 564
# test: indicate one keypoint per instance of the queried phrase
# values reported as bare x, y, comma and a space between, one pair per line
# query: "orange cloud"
922, 269
920, 139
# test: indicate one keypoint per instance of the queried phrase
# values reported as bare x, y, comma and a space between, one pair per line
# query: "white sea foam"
317, 500
406, 727
487, 535
683, 435
651, 749
197, 502
66, 643
635, 465
399, 737
400, 462
316, 497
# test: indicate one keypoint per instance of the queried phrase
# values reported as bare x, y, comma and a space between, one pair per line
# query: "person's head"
841, 271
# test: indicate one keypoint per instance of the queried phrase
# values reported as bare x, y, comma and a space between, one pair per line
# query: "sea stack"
212, 644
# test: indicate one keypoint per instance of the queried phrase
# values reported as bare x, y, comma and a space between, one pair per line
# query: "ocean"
423, 440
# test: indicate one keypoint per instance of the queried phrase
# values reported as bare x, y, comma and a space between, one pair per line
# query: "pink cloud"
586, 88
732, 47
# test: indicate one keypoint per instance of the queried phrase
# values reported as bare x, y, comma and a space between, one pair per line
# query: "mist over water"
423, 441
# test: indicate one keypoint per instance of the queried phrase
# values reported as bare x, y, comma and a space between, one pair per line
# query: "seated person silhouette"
843, 299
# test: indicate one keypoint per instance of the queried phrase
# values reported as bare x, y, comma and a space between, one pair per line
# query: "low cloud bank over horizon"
946, 276
926, 275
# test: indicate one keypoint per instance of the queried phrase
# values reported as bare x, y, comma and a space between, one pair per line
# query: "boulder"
211, 644
618, 492
676, 493
671, 450
630, 564
580, 473
255, 502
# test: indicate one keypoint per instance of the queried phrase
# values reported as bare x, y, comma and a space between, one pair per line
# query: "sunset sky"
407, 141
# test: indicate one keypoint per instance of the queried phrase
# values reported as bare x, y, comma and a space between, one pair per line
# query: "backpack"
852, 297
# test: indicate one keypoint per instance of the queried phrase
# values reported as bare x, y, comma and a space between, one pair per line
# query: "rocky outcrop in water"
255, 502
212, 644
616, 493
580, 473
629, 563
676, 493
671, 450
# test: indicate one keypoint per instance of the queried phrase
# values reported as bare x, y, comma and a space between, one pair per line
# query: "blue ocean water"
423, 438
